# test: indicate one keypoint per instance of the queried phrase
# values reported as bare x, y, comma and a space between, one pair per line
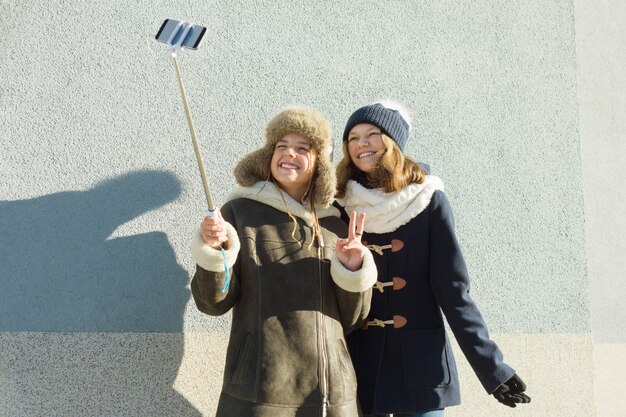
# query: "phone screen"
191, 41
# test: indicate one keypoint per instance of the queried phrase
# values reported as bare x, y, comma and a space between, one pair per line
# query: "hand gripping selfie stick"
178, 35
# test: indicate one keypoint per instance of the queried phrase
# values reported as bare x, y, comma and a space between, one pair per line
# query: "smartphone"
174, 27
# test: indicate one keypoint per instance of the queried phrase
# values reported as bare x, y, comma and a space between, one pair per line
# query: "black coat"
411, 368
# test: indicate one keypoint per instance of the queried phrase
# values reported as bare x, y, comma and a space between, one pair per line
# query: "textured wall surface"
100, 193
601, 51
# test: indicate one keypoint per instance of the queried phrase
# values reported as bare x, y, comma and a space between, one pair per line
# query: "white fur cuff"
354, 281
211, 259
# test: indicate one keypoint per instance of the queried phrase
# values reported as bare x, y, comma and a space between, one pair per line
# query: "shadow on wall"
61, 274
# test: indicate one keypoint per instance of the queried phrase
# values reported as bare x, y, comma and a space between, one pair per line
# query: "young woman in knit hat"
402, 354
295, 287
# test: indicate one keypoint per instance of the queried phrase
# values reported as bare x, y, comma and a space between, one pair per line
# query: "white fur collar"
385, 212
267, 192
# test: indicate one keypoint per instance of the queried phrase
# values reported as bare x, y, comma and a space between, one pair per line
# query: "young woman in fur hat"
295, 287
402, 355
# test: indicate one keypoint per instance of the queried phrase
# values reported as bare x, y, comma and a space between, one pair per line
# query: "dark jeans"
433, 413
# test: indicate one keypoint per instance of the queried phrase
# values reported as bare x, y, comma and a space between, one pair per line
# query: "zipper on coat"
322, 331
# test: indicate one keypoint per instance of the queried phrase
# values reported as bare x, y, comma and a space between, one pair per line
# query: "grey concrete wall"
100, 193
601, 50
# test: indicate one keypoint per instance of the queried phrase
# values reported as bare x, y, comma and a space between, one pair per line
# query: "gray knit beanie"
390, 121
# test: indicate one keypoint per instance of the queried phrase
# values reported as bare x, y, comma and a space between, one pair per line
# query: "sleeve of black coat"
450, 284
208, 281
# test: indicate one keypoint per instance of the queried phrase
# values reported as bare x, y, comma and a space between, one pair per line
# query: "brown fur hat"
307, 123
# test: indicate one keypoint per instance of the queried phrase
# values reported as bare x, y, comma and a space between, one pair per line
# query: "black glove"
511, 392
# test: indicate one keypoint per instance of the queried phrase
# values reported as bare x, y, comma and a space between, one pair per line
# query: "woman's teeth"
289, 166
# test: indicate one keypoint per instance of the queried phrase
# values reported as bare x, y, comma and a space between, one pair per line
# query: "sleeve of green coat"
210, 276
450, 284
354, 290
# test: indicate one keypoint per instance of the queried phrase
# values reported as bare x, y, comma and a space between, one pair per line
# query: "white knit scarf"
385, 212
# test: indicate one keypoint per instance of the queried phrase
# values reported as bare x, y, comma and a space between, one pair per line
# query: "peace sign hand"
350, 251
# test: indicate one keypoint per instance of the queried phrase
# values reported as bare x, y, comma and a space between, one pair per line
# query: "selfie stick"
172, 49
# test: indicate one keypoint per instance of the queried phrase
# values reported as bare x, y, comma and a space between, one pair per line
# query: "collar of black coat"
386, 212
267, 192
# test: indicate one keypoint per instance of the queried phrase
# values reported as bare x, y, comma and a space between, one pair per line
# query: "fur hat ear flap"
254, 167
325, 185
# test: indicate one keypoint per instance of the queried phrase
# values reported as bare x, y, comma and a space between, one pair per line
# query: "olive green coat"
287, 354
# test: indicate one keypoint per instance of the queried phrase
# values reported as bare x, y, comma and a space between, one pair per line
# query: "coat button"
396, 283
396, 245
397, 322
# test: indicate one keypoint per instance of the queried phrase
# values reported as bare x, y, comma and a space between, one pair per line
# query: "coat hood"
267, 192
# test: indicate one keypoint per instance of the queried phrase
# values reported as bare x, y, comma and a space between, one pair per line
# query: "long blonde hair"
393, 172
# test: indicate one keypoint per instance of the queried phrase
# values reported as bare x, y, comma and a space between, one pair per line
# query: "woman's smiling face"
293, 164
365, 146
